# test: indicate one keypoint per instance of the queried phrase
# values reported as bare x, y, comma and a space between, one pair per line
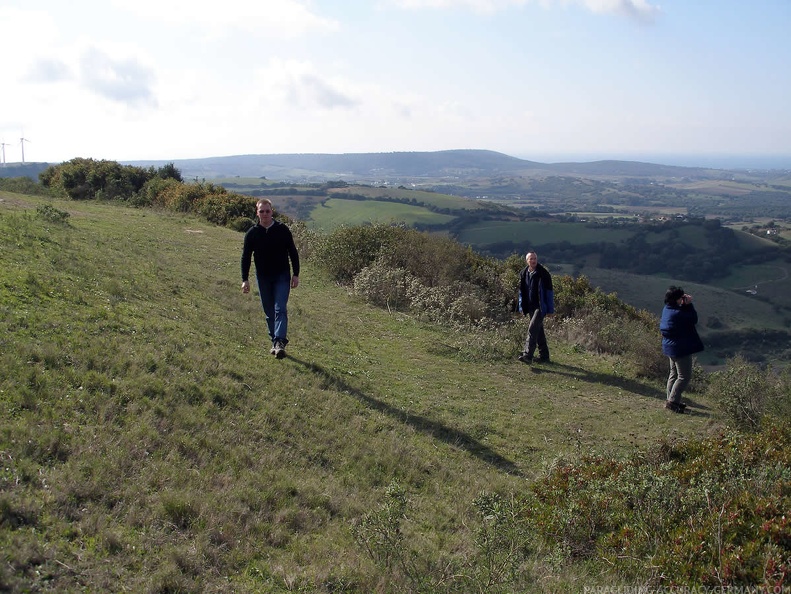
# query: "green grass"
336, 212
150, 443
538, 232
431, 198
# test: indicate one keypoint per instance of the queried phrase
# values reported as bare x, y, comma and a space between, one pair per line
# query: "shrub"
346, 251
24, 185
699, 513
745, 392
384, 285
51, 214
154, 191
434, 276
592, 320
241, 224
220, 207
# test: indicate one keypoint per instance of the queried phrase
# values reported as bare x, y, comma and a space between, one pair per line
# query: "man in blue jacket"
680, 340
536, 300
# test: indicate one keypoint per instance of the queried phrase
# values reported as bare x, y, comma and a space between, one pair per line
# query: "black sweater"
271, 249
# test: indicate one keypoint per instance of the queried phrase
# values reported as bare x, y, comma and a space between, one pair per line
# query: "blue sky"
547, 80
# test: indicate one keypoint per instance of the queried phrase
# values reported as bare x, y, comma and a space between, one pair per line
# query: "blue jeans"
274, 291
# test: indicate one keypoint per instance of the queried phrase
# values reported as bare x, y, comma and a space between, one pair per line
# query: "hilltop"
143, 412
406, 167
149, 440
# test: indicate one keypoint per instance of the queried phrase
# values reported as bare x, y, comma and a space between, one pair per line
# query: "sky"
546, 80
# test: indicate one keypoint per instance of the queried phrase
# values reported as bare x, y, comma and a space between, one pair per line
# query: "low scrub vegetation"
150, 444
709, 513
441, 281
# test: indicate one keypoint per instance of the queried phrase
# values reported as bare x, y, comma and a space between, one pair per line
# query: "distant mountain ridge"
395, 166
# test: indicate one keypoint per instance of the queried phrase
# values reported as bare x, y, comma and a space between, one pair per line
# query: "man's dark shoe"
280, 349
525, 358
273, 350
543, 359
675, 407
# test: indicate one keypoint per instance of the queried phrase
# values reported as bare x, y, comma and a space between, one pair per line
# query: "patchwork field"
337, 212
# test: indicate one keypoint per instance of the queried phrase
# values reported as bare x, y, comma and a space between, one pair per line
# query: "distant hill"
30, 170
401, 166
395, 167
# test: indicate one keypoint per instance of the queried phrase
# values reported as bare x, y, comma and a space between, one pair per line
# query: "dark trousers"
536, 336
679, 377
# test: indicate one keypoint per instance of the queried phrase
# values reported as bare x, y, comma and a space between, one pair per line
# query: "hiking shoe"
280, 349
675, 407
543, 359
525, 358
273, 350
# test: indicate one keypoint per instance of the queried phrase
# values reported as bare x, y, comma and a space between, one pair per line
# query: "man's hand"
245, 287
294, 282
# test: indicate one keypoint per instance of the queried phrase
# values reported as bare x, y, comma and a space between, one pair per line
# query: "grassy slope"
148, 439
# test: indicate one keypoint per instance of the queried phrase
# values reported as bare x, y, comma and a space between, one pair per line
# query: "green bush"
24, 185
241, 223
347, 250
51, 214
745, 393
384, 285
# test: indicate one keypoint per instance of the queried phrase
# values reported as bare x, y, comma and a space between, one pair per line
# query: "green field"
337, 212
538, 232
429, 198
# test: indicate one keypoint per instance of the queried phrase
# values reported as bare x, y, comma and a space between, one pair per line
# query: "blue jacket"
546, 293
679, 335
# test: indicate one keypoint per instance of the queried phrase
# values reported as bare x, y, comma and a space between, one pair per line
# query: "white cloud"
302, 86
637, 9
125, 79
47, 70
276, 18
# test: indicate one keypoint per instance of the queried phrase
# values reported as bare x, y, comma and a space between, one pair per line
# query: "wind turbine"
4, 144
22, 141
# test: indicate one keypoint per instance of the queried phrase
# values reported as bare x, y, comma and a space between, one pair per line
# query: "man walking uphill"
536, 300
271, 244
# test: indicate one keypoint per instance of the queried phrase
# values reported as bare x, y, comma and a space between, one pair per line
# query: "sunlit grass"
149, 440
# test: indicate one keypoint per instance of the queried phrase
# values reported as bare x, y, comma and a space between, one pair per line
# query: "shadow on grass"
429, 427
629, 385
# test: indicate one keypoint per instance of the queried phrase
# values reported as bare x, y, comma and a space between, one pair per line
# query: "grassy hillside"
150, 443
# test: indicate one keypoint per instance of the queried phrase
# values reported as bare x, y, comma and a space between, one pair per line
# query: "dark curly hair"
673, 294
